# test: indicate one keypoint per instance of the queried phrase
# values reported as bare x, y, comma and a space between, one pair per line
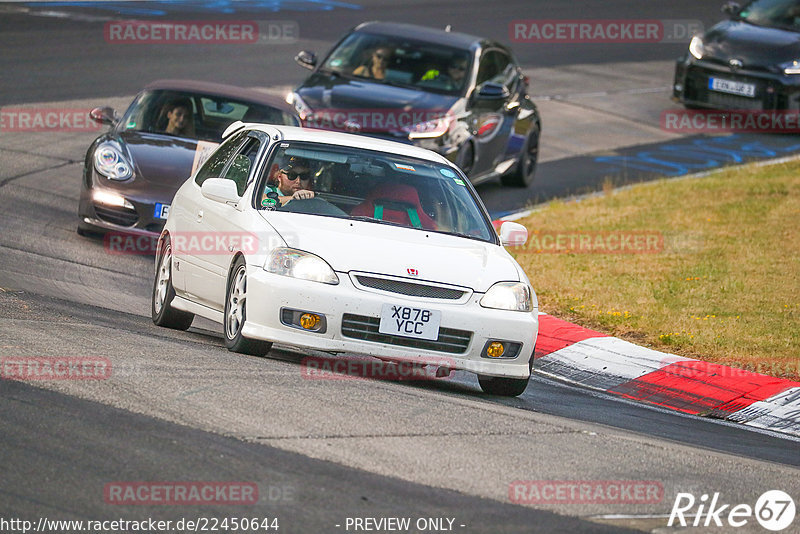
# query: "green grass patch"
722, 284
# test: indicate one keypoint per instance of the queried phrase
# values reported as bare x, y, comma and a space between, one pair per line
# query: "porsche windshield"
373, 186
403, 62
196, 115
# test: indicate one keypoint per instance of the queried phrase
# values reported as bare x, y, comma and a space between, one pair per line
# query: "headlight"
696, 47
110, 162
435, 127
791, 68
303, 110
515, 296
302, 265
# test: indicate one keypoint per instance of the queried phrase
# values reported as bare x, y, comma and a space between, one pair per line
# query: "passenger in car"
376, 65
178, 116
294, 181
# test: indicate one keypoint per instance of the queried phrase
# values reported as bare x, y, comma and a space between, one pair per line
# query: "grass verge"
710, 267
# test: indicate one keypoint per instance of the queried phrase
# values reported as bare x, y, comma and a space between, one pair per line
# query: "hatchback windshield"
196, 115
402, 62
373, 186
775, 13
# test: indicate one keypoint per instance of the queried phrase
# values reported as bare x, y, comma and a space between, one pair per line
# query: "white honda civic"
346, 244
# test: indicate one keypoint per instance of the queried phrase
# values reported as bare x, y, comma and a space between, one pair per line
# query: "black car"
462, 96
132, 171
750, 62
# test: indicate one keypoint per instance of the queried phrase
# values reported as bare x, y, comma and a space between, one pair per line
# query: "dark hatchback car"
750, 62
132, 171
456, 94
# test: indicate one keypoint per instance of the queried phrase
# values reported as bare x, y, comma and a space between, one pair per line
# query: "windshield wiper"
379, 221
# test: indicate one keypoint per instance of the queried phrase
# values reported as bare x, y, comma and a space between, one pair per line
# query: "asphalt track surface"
182, 408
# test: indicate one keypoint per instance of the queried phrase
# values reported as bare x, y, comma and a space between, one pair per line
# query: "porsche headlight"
109, 161
514, 296
696, 47
298, 264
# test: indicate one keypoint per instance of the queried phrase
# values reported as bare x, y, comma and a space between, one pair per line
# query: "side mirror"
220, 190
513, 234
731, 8
105, 115
489, 95
306, 59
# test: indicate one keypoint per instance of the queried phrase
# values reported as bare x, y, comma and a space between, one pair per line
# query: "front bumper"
95, 216
268, 293
773, 91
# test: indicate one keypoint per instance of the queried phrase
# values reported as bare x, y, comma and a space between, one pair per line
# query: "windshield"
195, 115
402, 62
377, 187
774, 13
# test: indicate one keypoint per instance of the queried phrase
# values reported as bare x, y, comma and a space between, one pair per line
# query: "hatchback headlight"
514, 296
696, 47
298, 264
109, 161
793, 67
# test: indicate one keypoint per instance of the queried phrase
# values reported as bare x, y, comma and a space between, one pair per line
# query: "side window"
240, 167
495, 67
216, 163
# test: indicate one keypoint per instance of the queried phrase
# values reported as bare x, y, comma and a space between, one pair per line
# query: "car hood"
328, 92
379, 248
755, 46
161, 163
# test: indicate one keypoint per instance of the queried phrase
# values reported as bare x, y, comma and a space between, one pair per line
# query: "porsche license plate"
407, 321
734, 88
161, 211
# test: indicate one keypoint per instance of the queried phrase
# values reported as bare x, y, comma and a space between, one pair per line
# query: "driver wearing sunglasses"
294, 181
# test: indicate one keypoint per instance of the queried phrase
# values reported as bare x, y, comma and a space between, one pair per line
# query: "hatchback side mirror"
306, 59
513, 234
220, 190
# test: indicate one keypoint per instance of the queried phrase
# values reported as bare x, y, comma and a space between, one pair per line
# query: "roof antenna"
448, 28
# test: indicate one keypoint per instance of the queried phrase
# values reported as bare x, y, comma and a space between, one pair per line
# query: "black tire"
161, 297
525, 171
235, 318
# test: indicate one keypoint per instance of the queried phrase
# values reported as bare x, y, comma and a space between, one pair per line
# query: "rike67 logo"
774, 510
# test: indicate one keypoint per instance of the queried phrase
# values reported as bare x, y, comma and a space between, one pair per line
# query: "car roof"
294, 133
421, 33
223, 90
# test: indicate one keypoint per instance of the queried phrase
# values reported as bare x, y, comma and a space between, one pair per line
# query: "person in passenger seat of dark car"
294, 181
179, 118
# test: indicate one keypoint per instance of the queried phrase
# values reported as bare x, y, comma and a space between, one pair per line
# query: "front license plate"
731, 87
410, 322
161, 211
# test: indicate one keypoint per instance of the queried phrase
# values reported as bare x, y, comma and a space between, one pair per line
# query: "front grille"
410, 289
115, 215
366, 329
726, 101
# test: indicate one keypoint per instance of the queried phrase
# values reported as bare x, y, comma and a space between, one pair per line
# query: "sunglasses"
381, 56
293, 175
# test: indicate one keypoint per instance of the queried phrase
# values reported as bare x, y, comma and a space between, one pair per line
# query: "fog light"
495, 349
309, 321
